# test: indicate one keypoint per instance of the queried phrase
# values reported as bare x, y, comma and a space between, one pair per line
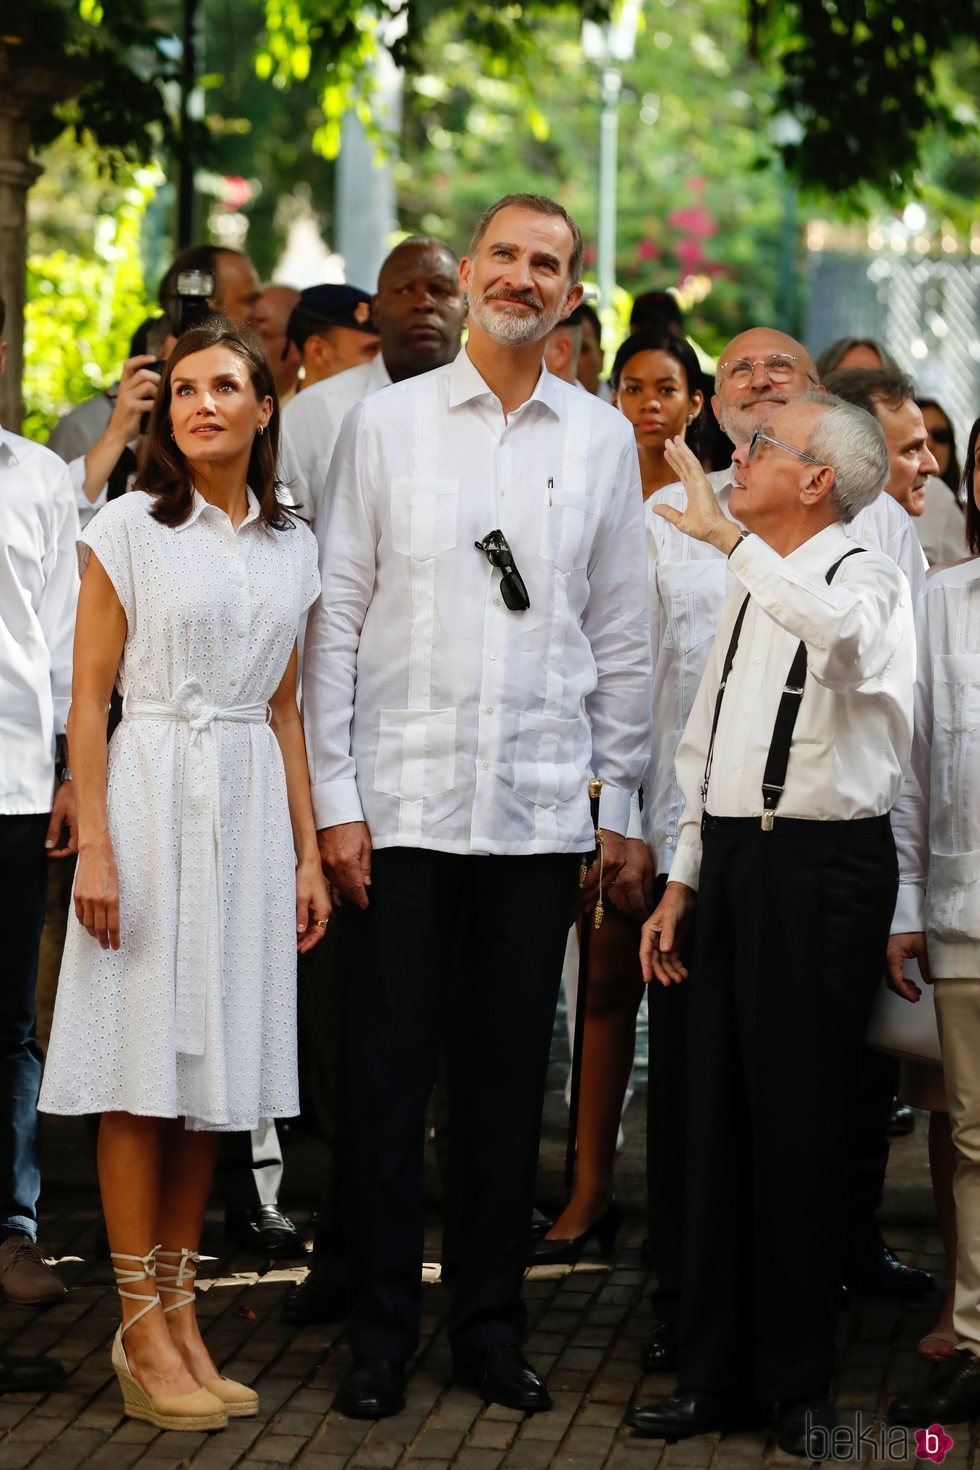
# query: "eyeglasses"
499, 555
760, 438
780, 368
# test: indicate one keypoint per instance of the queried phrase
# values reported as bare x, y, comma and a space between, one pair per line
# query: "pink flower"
932, 1444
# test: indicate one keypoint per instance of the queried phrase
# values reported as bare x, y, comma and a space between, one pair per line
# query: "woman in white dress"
198, 874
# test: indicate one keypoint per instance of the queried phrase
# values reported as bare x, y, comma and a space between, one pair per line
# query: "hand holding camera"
138, 386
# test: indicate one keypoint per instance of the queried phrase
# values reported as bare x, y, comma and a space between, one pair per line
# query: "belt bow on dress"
199, 960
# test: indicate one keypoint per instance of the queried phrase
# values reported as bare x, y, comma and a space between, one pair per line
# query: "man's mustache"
769, 396
525, 298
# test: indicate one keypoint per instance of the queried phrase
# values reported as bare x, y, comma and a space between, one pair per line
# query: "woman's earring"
261, 428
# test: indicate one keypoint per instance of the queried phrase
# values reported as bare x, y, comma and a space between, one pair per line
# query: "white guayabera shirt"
38, 592
689, 582
311, 422
853, 734
433, 711
937, 817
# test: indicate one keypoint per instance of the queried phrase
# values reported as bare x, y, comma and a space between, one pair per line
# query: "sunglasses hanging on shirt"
499, 554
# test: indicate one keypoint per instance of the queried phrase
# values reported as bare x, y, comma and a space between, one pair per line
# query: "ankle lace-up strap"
185, 1270
126, 1276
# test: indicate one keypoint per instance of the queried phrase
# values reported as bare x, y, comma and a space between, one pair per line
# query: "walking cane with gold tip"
591, 919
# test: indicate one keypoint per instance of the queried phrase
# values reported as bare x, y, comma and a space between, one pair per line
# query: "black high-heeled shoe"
547, 1252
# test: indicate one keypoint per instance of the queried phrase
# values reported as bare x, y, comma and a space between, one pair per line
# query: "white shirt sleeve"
692, 753
848, 626
910, 815
76, 473
59, 595
616, 623
348, 545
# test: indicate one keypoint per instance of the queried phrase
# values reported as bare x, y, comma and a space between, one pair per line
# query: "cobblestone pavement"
585, 1333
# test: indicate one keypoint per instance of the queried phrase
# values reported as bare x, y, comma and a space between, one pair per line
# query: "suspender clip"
791, 689
767, 820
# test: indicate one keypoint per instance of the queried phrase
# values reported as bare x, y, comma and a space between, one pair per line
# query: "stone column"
27, 90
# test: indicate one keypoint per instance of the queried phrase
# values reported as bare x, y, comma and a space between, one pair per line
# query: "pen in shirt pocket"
551, 486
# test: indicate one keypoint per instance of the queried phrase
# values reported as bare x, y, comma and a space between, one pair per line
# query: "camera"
192, 297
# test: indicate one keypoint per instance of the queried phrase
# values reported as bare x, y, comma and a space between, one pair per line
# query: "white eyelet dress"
194, 1016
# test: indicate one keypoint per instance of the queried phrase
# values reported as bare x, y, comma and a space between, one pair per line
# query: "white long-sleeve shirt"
311, 423
937, 817
73, 436
689, 582
38, 592
434, 712
854, 730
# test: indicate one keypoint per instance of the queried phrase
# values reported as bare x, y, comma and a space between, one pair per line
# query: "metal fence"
926, 312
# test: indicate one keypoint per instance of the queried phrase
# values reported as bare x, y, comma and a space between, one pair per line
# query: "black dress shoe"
267, 1231
540, 1224
29, 1375
806, 1428
660, 1349
504, 1376
547, 1252
901, 1121
871, 1269
372, 1388
953, 1395
682, 1415
316, 1299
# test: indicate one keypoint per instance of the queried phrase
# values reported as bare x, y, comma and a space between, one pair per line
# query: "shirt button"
496, 602
486, 765
493, 657
670, 841
232, 683
243, 632
757, 660
489, 709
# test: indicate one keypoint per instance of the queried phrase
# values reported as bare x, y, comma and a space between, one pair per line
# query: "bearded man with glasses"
791, 759
759, 372
480, 649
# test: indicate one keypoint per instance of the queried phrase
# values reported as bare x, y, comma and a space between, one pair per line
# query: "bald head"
759, 371
413, 249
419, 308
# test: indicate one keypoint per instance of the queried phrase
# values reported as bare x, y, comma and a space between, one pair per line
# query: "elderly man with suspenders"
790, 762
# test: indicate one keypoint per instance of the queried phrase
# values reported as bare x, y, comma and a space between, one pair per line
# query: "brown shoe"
24, 1277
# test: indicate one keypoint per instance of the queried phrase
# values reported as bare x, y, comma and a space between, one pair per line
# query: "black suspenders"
774, 777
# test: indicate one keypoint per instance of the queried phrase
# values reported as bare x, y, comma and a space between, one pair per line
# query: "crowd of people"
554, 640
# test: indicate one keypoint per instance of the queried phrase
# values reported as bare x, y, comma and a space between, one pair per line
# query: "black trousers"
666, 1134
495, 1011
23, 885
789, 947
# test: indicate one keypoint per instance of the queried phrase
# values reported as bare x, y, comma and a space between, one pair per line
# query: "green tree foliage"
863, 80
695, 204
85, 291
121, 58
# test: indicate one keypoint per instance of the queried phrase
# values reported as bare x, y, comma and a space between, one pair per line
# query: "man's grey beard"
514, 328
741, 423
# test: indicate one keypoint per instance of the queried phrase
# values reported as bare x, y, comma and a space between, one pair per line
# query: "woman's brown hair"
162, 469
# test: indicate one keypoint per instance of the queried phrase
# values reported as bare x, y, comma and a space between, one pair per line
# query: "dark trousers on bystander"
23, 885
789, 948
